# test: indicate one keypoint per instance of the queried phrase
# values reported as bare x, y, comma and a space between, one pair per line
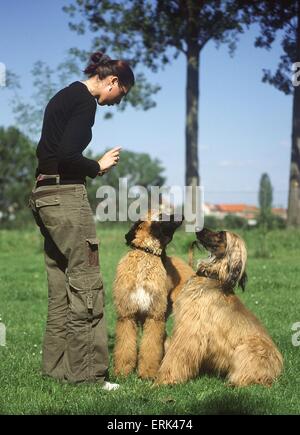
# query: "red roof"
235, 208
247, 210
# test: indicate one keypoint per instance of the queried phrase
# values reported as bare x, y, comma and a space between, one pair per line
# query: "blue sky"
244, 124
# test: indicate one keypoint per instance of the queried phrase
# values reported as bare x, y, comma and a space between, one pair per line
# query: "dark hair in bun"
99, 57
102, 65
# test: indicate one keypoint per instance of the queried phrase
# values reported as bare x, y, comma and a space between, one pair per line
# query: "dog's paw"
147, 374
163, 382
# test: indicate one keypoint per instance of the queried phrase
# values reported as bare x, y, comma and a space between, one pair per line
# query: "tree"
152, 32
283, 17
17, 166
265, 200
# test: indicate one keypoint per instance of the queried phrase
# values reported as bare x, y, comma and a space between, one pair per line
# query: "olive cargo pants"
75, 342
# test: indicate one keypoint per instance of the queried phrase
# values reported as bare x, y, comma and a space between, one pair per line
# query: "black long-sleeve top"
66, 132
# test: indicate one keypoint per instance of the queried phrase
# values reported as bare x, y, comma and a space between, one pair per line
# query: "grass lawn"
272, 293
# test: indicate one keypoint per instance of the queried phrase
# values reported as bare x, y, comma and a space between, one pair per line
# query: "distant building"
249, 212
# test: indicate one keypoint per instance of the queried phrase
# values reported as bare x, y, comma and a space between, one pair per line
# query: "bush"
22, 219
229, 221
278, 222
212, 222
232, 221
272, 223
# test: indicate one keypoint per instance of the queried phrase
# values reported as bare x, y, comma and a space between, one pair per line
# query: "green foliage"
277, 222
147, 30
153, 33
232, 221
212, 222
12, 81
281, 18
277, 18
228, 222
17, 167
262, 249
265, 194
265, 199
272, 222
266, 220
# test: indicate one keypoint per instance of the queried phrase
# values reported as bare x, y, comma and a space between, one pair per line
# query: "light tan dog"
213, 330
147, 282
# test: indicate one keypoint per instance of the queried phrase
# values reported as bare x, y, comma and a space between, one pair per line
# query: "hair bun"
99, 58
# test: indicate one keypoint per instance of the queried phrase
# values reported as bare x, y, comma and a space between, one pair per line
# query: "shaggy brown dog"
213, 330
146, 284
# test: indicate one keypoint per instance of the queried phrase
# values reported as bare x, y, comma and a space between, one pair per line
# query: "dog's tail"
191, 252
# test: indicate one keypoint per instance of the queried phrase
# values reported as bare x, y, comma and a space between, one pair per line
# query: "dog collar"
158, 252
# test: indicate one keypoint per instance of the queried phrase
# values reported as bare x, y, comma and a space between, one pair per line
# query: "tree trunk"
294, 184
191, 129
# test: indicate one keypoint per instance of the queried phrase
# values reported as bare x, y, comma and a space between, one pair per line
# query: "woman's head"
111, 79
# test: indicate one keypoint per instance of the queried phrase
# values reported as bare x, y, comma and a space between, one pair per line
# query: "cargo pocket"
49, 209
86, 300
92, 246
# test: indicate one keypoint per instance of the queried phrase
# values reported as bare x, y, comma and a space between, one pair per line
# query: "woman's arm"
109, 159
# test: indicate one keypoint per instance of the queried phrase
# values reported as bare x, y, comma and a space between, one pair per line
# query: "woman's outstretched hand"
109, 159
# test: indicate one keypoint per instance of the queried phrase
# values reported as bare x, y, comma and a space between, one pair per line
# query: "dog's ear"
243, 281
130, 236
232, 275
236, 258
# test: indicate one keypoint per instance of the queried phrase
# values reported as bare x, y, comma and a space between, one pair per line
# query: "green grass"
272, 294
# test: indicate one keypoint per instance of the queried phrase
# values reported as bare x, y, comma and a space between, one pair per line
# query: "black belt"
52, 181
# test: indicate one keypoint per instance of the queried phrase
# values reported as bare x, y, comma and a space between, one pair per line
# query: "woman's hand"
109, 159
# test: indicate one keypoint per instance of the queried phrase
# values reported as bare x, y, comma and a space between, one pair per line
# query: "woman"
75, 343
